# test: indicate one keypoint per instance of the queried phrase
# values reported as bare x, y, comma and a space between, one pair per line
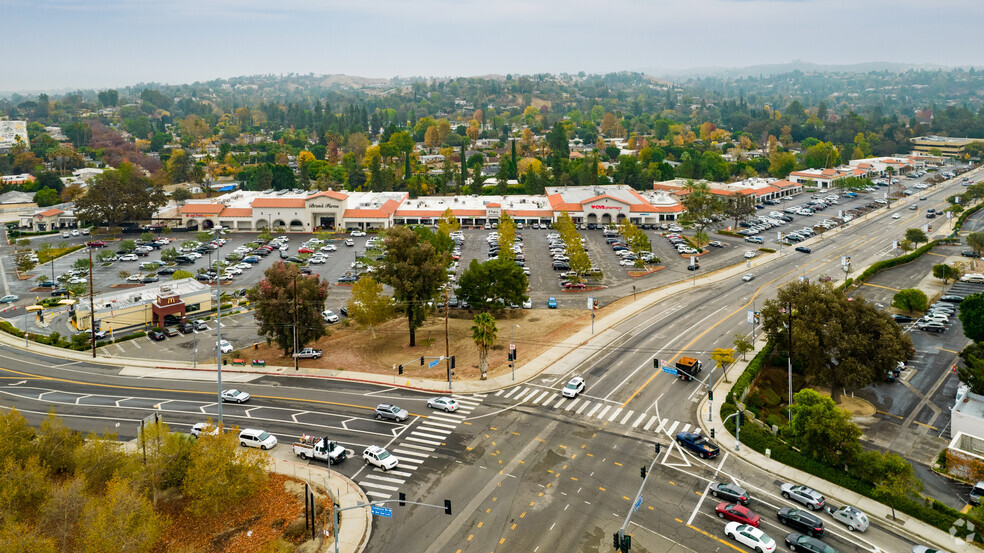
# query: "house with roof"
56, 217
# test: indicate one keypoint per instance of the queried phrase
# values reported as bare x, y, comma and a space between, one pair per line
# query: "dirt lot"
352, 348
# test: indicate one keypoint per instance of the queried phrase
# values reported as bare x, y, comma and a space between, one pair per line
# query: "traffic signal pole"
623, 542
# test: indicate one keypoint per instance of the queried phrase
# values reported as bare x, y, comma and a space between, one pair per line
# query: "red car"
574, 285
303, 249
738, 513
96, 244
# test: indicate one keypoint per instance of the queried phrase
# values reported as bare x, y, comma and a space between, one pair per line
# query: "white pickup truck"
323, 449
308, 353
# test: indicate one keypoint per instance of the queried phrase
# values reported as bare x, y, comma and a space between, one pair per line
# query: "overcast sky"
59, 44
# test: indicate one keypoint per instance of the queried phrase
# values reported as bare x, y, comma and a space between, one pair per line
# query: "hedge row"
876, 267
729, 233
964, 215
746, 378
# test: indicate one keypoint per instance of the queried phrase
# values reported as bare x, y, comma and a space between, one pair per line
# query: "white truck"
323, 449
308, 353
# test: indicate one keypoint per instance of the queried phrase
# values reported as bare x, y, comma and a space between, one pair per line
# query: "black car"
803, 249
186, 328
167, 271
348, 278
46, 284
801, 520
731, 492
343, 311
59, 292
156, 335
902, 318
968, 253
952, 299
693, 267
799, 542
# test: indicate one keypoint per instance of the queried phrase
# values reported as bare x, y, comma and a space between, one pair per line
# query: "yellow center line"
713, 537
926, 425
879, 286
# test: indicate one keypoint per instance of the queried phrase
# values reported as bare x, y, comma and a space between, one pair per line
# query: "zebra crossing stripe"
447, 417
511, 392
583, 407
628, 415
601, 415
380, 486
431, 423
673, 427
420, 447
532, 393
560, 401
539, 399
652, 420
400, 473
641, 418
378, 494
411, 453
615, 414
443, 432
662, 423
385, 479
426, 435
686, 427
423, 441
499, 393
593, 409
572, 403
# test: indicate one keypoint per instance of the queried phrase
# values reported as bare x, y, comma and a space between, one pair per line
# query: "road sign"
590, 303
381, 511
669, 370
638, 504
751, 317
512, 346
434, 363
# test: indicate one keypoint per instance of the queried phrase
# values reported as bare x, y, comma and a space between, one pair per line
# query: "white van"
251, 437
754, 239
973, 277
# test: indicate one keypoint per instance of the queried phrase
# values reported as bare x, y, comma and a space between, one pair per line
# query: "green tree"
81, 264
105, 256
127, 246
906, 246
910, 299
821, 156
971, 316
146, 236
822, 430
972, 373
124, 274
742, 345
168, 255
507, 235
916, 236
416, 271
100, 459
180, 274
701, 206
839, 343
739, 206
484, 334
18, 442
286, 302
46, 197
493, 284
368, 305
119, 195
120, 521
898, 480
945, 272
781, 164
220, 474
22, 537
181, 195
448, 223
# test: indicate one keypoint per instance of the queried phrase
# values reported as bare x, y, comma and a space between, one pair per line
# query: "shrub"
745, 380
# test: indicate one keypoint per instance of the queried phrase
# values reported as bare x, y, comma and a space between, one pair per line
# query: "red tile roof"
202, 209
237, 212
383, 212
279, 202
335, 195
51, 212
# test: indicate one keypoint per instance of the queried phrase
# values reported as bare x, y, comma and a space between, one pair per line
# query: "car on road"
349, 242
803, 249
737, 513
813, 499
731, 492
799, 542
694, 267
574, 387
750, 536
801, 520
698, 444
235, 396
252, 437
379, 457
9, 298
896, 216
552, 302
931, 327
329, 317
225, 346
443, 403
156, 335
750, 254
715, 244
851, 517
204, 428
747, 277
392, 412
924, 549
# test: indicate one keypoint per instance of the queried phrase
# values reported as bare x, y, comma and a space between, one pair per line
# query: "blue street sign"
638, 504
434, 363
669, 370
381, 511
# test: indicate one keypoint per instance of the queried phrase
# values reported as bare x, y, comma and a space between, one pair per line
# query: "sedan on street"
731, 492
235, 396
445, 404
799, 542
10, 298
750, 536
738, 513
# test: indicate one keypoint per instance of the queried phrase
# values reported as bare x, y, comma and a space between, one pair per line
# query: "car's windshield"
264, 436
383, 454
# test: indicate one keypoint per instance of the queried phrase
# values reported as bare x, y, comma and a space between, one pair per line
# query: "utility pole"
218, 333
447, 339
294, 309
92, 312
789, 307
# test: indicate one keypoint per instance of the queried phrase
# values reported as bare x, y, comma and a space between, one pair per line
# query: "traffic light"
616, 541
421, 360
642, 471
515, 353
403, 499
401, 369
655, 363
710, 395
447, 506
626, 543
657, 448
452, 362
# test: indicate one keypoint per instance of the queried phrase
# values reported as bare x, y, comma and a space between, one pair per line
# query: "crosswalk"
604, 411
417, 446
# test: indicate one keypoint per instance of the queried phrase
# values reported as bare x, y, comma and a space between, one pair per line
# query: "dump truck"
323, 449
687, 368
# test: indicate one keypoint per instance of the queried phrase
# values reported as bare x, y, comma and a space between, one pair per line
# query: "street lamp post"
218, 334
789, 356
740, 414
512, 349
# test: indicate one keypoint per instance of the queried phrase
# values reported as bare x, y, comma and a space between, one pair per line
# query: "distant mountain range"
795, 65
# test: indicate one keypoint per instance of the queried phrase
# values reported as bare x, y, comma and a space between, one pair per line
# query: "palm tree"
484, 334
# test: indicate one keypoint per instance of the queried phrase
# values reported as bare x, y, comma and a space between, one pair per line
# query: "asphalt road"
525, 469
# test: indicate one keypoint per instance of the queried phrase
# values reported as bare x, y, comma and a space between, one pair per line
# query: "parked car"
952, 299
799, 542
443, 403
551, 302
803, 494
156, 335
252, 437
171, 331
851, 517
801, 520
392, 412
235, 396
931, 327
750, 536
10, 298
200, 325
225, 346
329, 317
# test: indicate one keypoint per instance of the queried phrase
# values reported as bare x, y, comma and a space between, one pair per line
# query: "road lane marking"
693, 514
649, 424
583, 407
539, 399
572, 403
641, 418
593, 409
615, 413
603, 411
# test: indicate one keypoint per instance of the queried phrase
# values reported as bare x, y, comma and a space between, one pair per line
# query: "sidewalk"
912, 529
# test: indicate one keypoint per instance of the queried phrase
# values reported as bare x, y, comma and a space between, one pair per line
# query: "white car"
528, 303
329, 317
244, 266
627, 263
378, 456
316, 260
443, 403
357, 233
251, 437
226, 347
573, 388
235, 396
897, 216
747, 277
204, 428
750, 536
329, 248
750, 254
134, 278
128, 257
75, 233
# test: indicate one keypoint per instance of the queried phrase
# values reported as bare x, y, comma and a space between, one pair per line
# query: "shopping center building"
309, 212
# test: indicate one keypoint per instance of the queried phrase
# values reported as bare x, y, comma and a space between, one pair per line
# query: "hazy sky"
57, 44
